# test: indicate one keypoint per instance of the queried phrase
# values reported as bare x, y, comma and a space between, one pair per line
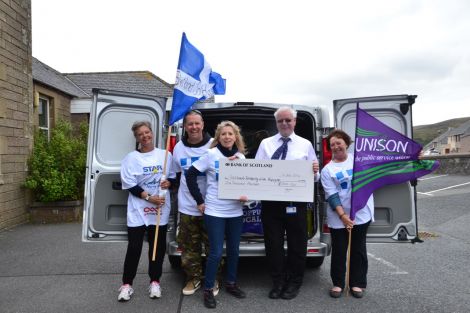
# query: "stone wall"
16, 111
458, 164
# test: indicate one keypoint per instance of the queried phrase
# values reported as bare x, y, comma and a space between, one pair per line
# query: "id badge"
291, 210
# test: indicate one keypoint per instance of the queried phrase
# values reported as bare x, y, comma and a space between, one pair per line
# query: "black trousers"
134, 249
276, 223
358, 259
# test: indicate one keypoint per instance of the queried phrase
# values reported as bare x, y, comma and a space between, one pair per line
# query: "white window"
43, 110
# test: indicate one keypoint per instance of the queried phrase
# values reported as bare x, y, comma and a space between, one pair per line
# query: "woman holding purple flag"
336, 179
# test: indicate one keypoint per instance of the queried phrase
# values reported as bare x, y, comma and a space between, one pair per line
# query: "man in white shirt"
286, 217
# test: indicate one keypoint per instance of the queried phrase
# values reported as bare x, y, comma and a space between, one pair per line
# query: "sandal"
335, 293
357, 293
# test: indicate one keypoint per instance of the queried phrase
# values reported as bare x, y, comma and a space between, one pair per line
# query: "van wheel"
175, 261
314, 262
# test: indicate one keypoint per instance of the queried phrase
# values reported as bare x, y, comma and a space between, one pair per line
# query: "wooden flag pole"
348, 263
159, 208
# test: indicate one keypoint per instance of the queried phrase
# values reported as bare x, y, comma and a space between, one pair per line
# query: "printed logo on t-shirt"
187, 162
150, 170
344, 177
150, 211
151, 184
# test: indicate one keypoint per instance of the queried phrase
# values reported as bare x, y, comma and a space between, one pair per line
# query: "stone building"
16, 110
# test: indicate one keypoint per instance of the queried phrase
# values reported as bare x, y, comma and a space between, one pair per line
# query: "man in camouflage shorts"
191, 233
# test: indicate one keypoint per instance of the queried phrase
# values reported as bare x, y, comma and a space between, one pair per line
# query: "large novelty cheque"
274, 180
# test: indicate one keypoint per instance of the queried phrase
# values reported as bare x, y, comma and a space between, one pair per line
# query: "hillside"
425, 133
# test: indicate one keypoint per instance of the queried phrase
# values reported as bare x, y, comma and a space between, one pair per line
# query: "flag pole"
159, 208
348, 259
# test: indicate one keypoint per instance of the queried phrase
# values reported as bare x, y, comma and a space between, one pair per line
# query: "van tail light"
327, 155
325, 228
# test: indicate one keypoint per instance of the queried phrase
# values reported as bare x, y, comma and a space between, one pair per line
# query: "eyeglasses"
287, 120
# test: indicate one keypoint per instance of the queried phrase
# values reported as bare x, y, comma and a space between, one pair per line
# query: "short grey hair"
285, 108
139, 124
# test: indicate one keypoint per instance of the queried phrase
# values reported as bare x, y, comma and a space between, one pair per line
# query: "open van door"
110, 139
395, 205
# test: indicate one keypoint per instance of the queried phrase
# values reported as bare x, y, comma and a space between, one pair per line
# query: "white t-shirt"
183, 158
336, 178
145, 170
209, 163
298, 148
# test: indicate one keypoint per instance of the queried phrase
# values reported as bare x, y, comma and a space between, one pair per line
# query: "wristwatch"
147, 197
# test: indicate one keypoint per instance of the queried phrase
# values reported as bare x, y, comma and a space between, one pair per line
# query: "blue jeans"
216, 228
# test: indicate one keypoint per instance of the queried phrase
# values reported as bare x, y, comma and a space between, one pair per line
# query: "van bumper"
315, 248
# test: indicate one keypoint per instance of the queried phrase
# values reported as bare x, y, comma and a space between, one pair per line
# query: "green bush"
57, 167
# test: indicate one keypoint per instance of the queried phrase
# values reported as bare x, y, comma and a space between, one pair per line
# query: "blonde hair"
239, 142
139, 124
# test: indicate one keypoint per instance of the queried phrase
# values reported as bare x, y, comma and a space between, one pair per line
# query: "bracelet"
342, 215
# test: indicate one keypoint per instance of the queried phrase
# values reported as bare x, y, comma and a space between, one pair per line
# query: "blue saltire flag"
382, 156
195, 81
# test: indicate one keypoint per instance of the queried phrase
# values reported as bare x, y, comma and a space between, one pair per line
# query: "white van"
110, 139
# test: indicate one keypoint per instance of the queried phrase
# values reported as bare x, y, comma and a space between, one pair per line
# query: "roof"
442, 139
141, 82
464, 128
50, 77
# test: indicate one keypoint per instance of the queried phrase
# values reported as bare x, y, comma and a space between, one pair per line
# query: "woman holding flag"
336, 179
142, 175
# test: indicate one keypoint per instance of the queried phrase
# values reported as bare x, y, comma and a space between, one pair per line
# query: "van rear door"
110, 139
395, 205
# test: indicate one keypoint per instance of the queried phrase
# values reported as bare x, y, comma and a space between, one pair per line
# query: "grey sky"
305, 52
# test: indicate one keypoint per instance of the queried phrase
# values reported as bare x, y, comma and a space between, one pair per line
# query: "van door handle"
117, 185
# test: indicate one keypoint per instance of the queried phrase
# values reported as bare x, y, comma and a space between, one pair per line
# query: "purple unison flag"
195, 81
382, 156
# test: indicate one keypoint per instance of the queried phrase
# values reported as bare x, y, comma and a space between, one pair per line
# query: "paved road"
46, 268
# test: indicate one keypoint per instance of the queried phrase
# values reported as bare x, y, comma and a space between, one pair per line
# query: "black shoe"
209, 300
357, 294
290, 292
235, 291
275, 292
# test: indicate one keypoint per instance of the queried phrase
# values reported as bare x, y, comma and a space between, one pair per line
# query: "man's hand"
315, 167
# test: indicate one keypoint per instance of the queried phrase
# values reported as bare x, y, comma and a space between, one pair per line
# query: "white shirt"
209, 163
183, 158
298, 148
145, 170
336, 178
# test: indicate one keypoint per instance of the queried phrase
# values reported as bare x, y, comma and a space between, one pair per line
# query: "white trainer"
216, 289
125, 293
154, 290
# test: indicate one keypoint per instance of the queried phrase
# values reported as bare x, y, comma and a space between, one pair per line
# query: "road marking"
425, 193
397, 270
450, 187
432, 177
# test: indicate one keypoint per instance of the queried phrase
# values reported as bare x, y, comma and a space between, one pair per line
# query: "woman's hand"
201, 207
243, 199
347, 222
159, 201
165, 184
233, 157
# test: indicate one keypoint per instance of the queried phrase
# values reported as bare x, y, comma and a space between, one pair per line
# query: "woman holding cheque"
336, 179
222, 218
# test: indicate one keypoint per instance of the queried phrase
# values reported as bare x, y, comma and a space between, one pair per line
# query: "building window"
44, 116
